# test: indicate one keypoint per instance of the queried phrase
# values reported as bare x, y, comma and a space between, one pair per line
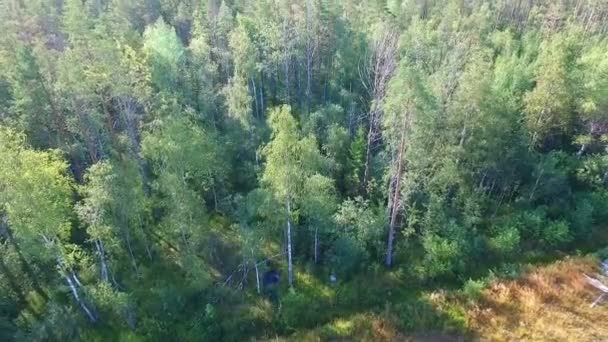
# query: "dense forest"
247, 169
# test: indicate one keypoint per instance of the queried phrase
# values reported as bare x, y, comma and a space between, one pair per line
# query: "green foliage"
549, 106
359, 220
556, 233
165, 53
443, 256
37, 194
112, 303
204, 326
301, 310
154, 152
356, 161
186, 163
239, 101
506, 241
284, 170
347, 255
600, 206
582, 217
592, 171
473, 289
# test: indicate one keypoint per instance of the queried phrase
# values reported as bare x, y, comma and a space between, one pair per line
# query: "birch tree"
290, 161
37, 197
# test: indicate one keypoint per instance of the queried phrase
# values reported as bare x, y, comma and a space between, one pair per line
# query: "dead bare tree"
598, 285
375, 73
311, 47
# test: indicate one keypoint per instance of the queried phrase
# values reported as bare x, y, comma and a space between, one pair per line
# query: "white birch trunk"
289, 247
257, 276
102, 260
76, 296
255, 96
316, 244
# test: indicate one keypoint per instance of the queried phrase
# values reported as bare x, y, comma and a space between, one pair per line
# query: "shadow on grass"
377, 306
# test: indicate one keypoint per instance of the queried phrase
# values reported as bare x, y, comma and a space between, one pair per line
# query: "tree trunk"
540, 174
395, 201
131, 254
80, 302
308, 78
289, 247
102, 260
581, 150
463, 134
391, 187
257, 274
316, 245
262, 93
255, 97
368, 154
147, 245
310, 51
375, 76
535, 134
72, 281
286, 60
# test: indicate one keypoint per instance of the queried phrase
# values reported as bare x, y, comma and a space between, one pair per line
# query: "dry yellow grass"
550, 303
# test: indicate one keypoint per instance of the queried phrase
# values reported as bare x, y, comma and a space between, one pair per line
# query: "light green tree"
37, 199
186, 162
290, 161
165, 54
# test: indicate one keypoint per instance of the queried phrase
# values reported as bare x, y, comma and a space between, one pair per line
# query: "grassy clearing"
547, 303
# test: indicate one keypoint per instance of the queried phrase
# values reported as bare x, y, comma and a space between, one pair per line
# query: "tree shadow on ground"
378, 306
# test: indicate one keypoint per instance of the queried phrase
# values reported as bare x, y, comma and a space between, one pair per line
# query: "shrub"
532, 222
472, 290
506, 241
556, 233
443, 256
347, 255
582, 217
600, 205
302, 310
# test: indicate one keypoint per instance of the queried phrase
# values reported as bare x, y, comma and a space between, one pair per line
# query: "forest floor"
545, 303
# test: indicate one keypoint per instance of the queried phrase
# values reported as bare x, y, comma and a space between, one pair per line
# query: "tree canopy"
159, 158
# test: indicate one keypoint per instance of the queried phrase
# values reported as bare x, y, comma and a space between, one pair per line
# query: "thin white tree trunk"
255, 96
262, 94
286, 58
396, 192
309, 52
257, 276
289, 247
102, 260
74, 290
71, 278
540, 174
316, 244
147, 246
131, 254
